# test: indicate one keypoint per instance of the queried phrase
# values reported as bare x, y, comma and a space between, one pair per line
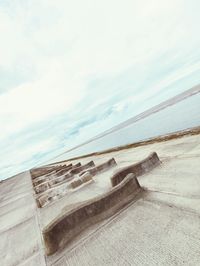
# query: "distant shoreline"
157, 108
161, 138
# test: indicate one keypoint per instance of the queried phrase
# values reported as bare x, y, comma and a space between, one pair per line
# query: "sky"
70, 70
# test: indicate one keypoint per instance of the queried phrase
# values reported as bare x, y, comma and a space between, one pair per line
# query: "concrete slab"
177, 182
161, 228
179, 176
146, 233
20, 238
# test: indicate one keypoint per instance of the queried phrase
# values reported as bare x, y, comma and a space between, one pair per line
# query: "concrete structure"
68, 225
160, 226
137, 169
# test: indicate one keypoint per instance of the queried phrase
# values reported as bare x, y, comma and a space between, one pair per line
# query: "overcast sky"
71, 69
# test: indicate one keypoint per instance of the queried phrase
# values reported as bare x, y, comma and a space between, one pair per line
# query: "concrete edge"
66, 226
137, 169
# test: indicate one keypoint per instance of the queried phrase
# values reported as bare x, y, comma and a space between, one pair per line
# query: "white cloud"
54, 93
66, 44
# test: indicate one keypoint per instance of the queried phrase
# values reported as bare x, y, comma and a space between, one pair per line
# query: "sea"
179, 113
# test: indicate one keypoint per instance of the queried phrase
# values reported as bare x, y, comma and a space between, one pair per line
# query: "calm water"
180, 116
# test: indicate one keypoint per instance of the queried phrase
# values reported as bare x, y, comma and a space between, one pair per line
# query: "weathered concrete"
59, 184
52, 194
81, 168
58, 178
137, 169
52, 186
159, 228
53, 234
79, 181
20, 236
41, 179
145, 233
153, 223
66, 169
100, 168
54, 174
65, 227
61, 190
45, 170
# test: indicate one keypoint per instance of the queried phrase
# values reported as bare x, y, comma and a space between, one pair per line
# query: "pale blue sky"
71, 69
